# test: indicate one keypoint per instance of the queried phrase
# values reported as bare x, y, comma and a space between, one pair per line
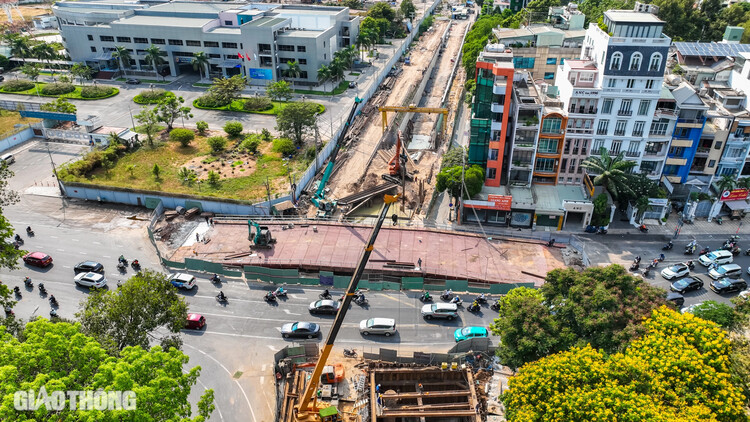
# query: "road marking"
54, 237
106, 256
273, 348
263, 368
75, 240
262, 378
61, 250
67, 266
96, 243
288, 312
204, 389
296, 296
83, 253
395, 299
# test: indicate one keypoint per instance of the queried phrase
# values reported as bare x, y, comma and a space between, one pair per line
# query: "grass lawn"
354, 73
45, 34
145, 81
245, 183
343, 85
75, 95
8, 120
236, 106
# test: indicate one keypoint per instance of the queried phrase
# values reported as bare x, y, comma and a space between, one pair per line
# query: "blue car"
467, 333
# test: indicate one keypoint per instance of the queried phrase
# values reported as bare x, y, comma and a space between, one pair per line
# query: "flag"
240, 55
247, 54
255, 56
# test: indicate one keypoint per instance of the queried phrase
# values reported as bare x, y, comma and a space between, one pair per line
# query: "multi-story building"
252, 39
687, 133
550, 145
712, 61
526, 111
580, 94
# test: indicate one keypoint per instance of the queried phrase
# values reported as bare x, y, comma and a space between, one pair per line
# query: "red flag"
240, 55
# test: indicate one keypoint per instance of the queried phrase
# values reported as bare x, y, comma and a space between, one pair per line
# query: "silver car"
384, 326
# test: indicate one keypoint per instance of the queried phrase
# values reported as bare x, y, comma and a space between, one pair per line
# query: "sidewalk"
699, 228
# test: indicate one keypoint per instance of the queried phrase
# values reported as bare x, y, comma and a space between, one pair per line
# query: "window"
210, 44
175, 42
735, 152
229, 45
616, 145
638, 128
620, 127
545, 164
551, 125
549, 75
106, 38
228, 23
157, 41
655, 63
717, 145
650, 84
491, 173
585, 77
123, 39
90, 37
214, 56
493, 154
576, 145
286, 47
607, 106
302, 49
612, 83
193, 43
616, 61
597, 145
635, 61
303, 74
633, 148
603, 127
324, 44
93, 49
678, 151
552, 61
643, 107
625, 108
631, 83
711, 163
523, 62
138, 40
548, 146
302, 61
563, 165
572, 168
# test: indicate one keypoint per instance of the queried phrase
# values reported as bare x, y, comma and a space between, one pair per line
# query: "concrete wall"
16, 139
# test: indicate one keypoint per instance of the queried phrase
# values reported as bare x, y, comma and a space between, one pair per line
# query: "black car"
325, 306
686, 284
300, 329
89, 267
676, 298
132, 81
726, 285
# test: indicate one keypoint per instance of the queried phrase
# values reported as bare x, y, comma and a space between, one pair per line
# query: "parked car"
325, 306
8, 159
133, 81
728, 285
719, 257
182, 280
725, 271
467, 333
195, 321
744, 294
447, 311
676, 298
384, 326
88, 267
90, 280
300, 329
686, 284
691, 308
37, 259
675, 271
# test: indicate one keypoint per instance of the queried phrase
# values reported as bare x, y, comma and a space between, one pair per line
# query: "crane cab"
332, 374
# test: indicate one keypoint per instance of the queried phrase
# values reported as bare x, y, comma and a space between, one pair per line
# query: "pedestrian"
206, 217
197, 237
210, 221
419, 263
377, 389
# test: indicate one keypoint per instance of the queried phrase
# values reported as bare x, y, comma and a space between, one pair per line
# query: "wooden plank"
431, 414
420, 403
373, 399
454, 393
427, 407
474, 400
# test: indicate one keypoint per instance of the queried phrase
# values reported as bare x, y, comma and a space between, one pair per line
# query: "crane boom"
304, 406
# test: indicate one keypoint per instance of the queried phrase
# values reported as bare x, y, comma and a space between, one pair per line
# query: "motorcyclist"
53, 313
359, 297
18, 238
28, 229
52, 299
121, 258
222, 296
326, 293
481, 298
426, 296
136, 263
447, 293
215, 277
638, 259
475, 305
42, 288
661, 257
456, 300
270, 296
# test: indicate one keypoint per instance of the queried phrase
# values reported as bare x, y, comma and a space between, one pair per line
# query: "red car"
37, 259
195, 321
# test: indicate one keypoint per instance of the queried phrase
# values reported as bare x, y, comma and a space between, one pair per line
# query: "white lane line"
288, 312
61, 250
54, 237
273, 348
67, 266
204, 389
75, 240
296, 296
96, 243
83, 253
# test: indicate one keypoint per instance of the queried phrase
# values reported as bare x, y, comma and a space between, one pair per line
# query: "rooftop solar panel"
711, 49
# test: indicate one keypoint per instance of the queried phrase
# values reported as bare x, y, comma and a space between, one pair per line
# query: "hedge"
96, 91
150, 96
17, 85
57, 88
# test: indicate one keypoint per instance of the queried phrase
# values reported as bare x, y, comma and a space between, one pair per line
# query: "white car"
182, 280
384, 326
90, 280
745, 294
675, 271
691, 308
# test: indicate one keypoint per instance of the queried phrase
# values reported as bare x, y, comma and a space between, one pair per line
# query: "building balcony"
580, 131
545, 172
658, 134
265, 52
676, 161
497, 108
702, 151
523, 143
521, 164
582, 110
690, 123
632, 154
619, 132
548, 152
496, 125
687, 143
698, 169
637, 134
624, 112
499, 88
652, 153
665, 113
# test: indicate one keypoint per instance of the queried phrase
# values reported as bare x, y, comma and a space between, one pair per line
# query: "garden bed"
343, 86
74, 95
238, 107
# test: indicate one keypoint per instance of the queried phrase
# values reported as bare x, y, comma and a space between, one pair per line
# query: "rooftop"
161, 21
581, 64
631, 16
710, 49
550, 198
182, 7
301, 34
265, 21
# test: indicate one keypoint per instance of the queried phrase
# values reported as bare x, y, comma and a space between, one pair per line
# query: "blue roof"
711, 49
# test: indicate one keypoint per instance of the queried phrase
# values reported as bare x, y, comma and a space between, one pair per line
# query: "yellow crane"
413, 109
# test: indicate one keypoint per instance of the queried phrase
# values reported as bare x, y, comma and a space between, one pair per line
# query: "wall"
16, 139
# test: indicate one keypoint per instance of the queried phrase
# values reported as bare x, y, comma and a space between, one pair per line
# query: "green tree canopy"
225, 90
449, 179
60, 105
456, 156
720, 313
170, 108
611, 173
476, 39
407, 8
296, 120
280, 91
149, 121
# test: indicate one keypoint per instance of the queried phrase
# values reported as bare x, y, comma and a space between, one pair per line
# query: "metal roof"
710, 49
631, 16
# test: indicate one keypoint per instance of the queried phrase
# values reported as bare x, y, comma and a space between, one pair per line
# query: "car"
719, 257
132, 81
725, 271
727, 285
447, 311
675, 271
88, 267
384, 326
691, 308
686, 284
37, 259
195, 321
324, 306
468, 333
182, 280
676, 298
90, 280
300, 329
8, 159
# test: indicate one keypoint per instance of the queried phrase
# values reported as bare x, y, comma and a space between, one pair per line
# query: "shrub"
217, 144
150, 96
285, 146
211, 101
213, 178
93, 160
310, 153
96, 91
257, 104
201, 126
266, 135
57, 88
251, 143
233, 128
183, 136
17, 85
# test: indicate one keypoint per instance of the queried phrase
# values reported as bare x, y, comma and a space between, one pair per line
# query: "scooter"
42, 289
707, 250
350, 353
474, 307
121, 267
17, 291
221, 299
325, 295
280, 292
480, 299
428, 298
635, 266
215, 279
643, 228
719, 221
668, 246
690, 264
28, 283
495, 306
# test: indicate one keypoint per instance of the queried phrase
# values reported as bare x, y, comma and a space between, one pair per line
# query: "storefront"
494, 210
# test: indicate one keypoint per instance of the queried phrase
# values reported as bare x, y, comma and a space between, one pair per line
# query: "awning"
737, 205
230, 64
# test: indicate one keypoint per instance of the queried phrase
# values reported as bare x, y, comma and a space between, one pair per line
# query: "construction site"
395, 142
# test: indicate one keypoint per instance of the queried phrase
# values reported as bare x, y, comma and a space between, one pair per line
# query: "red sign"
734, 195
502, 202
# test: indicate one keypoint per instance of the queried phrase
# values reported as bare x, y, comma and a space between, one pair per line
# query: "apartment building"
252, 39
687, 134
526, 110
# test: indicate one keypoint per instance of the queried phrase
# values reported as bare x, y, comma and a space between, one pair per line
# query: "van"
729, 270
719, 257
8, 159
384, 326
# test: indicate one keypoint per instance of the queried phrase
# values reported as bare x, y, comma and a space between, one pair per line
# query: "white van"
729, 271
8, 159
719, 257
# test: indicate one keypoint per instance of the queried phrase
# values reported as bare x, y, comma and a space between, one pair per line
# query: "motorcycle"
643, 228
646, 271
350, 353
42, 289
361, 300
215, 279
29, 232
136, 265
221, 298
121, 267
19, 239
690, 249
474, 307
53, 301
447, 295
747, 252
481, 299
601, 230
735, 250
661, 257
325, 295
495, 306
719, 221
280, 292
668, 246
457, 301
428, 298
707, 250
269, 297
122, 260
53, 313
28, 283
635, 266
17, 291
690, 264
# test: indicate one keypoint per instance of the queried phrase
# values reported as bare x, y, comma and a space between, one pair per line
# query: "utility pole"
317, 142
57, 180
268, 195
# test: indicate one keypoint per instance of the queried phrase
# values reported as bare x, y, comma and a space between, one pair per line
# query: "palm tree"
726, 183
642, 205
324, 74
19, 46
153, 56
199, 62
44, 52
743, 183
122, 55
337, 69
611, 172
292, 71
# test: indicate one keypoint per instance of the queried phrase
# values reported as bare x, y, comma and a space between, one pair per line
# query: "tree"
279, 91
19, 46
122, 54
226, 90
213, 178
200, 62
81, 71
601, 214
60, 105
153, 57
408, 9
720, 313
642, 204
727, 182
676, 372
265, 134
371, 28
640, 186
156, 171
149, 123
233, 128
743, 183
45, 52
475, 41
284, 146
4, 62
456, 156
202, 127
611, 172
324, 74
183, 136
170, 108
296, 120
292, 71
60, 357
217, 144
450, 179
32, 70
337, 69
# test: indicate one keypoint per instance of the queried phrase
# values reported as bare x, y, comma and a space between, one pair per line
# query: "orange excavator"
398, 162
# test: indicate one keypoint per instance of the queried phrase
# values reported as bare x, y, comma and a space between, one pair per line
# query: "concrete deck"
336, 247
